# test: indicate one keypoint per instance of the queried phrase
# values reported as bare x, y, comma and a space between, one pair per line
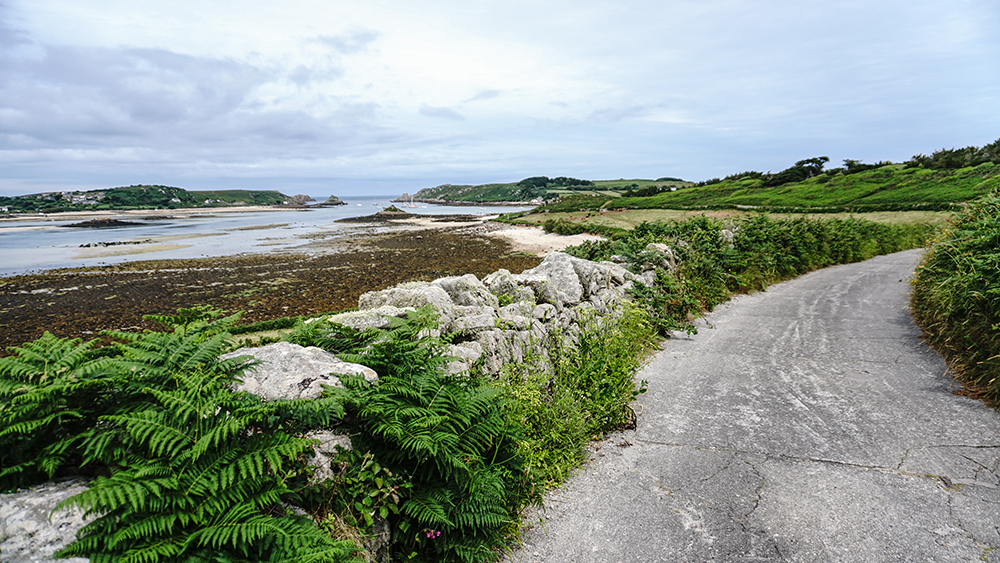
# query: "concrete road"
810, 424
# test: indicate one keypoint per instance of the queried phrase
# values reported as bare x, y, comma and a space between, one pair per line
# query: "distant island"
534, 191
145, 197
332, 201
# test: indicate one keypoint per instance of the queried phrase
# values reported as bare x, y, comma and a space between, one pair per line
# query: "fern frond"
154, 428
152, 525
429, 509
149, 552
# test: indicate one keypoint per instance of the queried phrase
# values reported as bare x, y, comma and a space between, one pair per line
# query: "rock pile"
505, 316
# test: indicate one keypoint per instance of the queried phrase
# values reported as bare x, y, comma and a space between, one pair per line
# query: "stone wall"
505, 316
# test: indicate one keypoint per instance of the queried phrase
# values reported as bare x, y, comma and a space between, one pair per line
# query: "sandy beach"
538, 242
522, 238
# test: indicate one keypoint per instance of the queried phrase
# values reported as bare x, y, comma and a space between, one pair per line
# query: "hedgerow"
715, 259
956, 295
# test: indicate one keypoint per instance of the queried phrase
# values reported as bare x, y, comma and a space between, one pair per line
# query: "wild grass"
580, 390
628, 219
956, 295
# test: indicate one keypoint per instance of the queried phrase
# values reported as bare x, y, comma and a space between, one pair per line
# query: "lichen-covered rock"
558, 268
545, 312
467, 354
497, 350
518, 309
517, 317
30, 532
544, 290
413, 295
502, 284
475, 323
726, 237
324, 452
290, 371
669, 260
467, 290
369, 318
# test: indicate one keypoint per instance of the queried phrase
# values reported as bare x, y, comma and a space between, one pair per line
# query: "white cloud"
449, 91
444, 113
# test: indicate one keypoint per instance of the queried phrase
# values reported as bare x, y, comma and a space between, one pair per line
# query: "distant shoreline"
139, 213
438, 201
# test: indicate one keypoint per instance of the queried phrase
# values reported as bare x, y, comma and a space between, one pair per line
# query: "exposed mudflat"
325, 276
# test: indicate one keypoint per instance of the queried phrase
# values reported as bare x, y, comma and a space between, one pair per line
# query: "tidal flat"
326, 276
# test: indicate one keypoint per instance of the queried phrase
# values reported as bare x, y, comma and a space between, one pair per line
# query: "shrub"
956, 295
716, 259
207, 479
581, 390
52, 392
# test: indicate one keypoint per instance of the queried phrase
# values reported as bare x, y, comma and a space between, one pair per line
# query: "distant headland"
150, 197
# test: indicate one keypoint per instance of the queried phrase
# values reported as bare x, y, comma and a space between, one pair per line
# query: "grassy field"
629, 218
610, 193
638, 183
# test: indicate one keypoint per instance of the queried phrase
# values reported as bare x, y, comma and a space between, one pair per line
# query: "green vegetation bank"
956, 295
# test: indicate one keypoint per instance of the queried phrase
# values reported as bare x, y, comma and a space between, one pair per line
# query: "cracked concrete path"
810, 424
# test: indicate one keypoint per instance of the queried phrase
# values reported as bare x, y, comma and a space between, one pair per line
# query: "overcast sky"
385, 96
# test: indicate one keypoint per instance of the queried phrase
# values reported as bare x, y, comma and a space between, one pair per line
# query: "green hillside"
891, 187
483, 192
137, 197
936, 182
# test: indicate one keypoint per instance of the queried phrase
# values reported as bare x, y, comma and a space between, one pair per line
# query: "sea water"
29, 246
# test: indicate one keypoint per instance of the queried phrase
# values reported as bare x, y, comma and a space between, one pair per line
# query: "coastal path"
809, 423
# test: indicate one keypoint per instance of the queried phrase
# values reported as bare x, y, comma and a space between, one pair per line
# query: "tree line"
943, 159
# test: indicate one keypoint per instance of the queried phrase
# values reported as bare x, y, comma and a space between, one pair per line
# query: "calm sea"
31, 246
